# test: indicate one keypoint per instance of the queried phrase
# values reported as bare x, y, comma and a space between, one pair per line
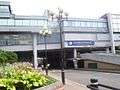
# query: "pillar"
110, 27
35, 51
75, 53
75, 64
107, 50
75, 59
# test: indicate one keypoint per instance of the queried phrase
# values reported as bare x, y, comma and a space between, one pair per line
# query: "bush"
7, 57
22, 75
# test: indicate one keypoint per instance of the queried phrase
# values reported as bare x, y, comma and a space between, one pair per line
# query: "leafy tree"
7, 57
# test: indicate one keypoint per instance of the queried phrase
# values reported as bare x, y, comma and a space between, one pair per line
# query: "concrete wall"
29, 47
103, 66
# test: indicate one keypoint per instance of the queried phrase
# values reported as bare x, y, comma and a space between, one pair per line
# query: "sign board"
80, 43
117, 37
103, 37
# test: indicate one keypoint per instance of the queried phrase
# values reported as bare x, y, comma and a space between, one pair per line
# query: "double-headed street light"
45, 33
60, 16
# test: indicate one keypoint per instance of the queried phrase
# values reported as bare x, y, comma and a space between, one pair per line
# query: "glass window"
89, 24
41, 22
54, 38
66, 23
114, 21
92, 65
102, 24
10, 22
115, 30
53, 24
33, 23
18, 22
3, 21
69, 23
26, 22
4, 9
117, 16
115, 25
76, 24
83, 24
99, 24
94, 24
118, 21
114, 16
118, 26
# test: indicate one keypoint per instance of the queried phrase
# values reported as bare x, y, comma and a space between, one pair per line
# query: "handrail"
109, 87
95, 86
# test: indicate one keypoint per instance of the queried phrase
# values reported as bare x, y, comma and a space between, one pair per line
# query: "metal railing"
94, 85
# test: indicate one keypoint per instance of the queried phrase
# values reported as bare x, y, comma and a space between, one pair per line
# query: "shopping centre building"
80, 35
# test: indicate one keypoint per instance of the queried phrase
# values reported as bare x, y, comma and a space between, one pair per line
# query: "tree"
7, 57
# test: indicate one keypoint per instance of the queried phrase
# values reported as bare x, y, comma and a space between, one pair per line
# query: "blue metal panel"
80, 43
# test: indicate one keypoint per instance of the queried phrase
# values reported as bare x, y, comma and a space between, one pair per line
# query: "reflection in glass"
18, 22
3, 21
10, 22
15, 39
83, 24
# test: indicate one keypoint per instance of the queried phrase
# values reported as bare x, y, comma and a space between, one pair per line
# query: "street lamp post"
60, 17
45, 33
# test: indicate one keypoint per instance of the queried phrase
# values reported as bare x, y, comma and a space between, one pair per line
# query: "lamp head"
49, 32
60, 10
66, 15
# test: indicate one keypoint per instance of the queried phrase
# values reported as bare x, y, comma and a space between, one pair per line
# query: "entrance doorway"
80, 63
69, 64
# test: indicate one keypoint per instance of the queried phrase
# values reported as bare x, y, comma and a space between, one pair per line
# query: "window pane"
40, 22
10, 22
3, 21
26, 22
95, 24
66, 23
89, 24
4, 9
115, 25
76, 23
114, 21
18, 22
102, 24
33, 22
83, 24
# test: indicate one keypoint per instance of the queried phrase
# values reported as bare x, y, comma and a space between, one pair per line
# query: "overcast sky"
75, 8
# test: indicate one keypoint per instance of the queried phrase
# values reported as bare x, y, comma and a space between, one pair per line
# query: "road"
83, 77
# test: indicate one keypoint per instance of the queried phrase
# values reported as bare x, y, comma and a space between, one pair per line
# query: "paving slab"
70, 85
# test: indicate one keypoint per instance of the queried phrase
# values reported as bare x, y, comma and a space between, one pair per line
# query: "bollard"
94, 83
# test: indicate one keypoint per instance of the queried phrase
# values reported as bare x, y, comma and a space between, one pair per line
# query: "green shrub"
7, 57
22, 75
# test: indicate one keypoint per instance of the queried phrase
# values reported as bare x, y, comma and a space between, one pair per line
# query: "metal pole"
46, 67
62, 50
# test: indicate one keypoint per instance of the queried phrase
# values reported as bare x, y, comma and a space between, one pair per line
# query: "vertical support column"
75, 59
35, 51
75, 53
107, 50
111, 33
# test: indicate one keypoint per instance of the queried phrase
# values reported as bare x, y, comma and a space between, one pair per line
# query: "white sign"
103, 37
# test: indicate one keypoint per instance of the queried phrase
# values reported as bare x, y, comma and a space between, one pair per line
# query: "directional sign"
80, 43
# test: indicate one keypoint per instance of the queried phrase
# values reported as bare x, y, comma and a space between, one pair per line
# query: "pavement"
70, 85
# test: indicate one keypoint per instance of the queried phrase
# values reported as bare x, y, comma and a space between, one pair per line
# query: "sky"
75, 8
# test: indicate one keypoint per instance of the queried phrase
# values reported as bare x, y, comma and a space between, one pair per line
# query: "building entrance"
80, 63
